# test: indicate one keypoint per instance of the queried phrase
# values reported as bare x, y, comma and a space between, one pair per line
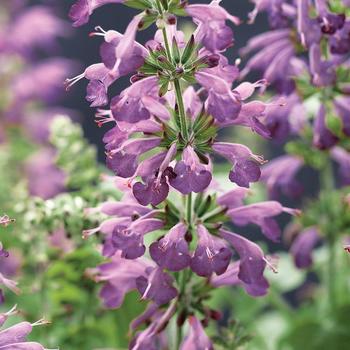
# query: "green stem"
182, 114
189, 210
327, 185
166, 42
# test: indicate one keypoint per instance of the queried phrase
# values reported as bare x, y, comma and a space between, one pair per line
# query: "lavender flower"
302, 247
163, 139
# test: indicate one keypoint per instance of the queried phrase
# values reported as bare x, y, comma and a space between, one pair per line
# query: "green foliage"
74, 155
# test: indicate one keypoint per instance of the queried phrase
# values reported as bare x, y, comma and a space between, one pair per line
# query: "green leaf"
189, 50
138, 4
176, 51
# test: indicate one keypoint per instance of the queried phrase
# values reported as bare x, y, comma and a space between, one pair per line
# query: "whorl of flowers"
159, 148
305, 57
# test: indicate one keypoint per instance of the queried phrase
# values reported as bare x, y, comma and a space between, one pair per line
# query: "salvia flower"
161, 146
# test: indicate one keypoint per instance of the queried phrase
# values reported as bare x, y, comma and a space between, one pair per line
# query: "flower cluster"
161, 146
305, 57
34, 78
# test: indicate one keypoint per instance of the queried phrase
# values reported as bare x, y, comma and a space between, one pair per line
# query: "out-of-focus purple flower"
212, 30
158, 286
59, 240
323, 138
252, 262
340, 42
196, 338
81, 10
303, 246
308, 28
129, 105
275, 58
245, 164
171, 252
36, 27
322, 72
119, 277
261, 214
342, 157
279, 176
45, 180
329, 22
10, 262
42, 82
286, 120
191, 175
211, 255
342, 108
37, 123
10, 284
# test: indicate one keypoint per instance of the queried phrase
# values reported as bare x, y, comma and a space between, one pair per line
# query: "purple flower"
192, 102
252, 262
222, 69
123, 161
129, 105
275, 57
155, 172
308, 28
233, 198
196, 338
323, 138
81, 11
303, 246
322, 72
245, 164
261, 214
191, 175
119, 277
157, 286
129, 239
222, 103
171, 251
45, 180
211, 255
230, 278
42, 81
340, 42
151, 337
342, 157
212, 30
342, 108
279, 176
15, 337
286, 120
10, 284
36, 27
330, 22
5, 220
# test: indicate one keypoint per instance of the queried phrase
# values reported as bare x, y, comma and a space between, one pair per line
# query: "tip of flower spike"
347, 248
